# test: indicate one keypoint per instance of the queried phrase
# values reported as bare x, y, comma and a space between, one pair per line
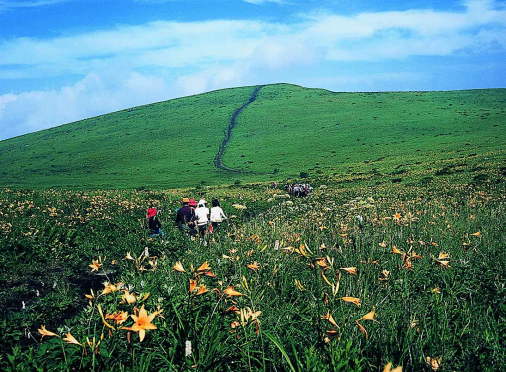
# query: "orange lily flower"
95, 265
353, 300
71, 339
253, 266
350, 270
179, 267
119, 317
44, 332
142, 322
231, 292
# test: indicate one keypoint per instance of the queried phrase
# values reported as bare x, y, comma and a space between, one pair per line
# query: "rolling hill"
278, 131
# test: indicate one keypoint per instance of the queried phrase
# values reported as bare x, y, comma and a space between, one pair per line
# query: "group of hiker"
298, 189
194, 218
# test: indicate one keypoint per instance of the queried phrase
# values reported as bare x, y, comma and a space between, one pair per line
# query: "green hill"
286, 130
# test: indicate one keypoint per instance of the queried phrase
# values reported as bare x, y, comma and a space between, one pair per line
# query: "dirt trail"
218, 159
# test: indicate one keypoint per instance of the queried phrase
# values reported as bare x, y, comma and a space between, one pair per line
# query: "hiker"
153, 223
299, 189
185, 217
202, 215
217, 215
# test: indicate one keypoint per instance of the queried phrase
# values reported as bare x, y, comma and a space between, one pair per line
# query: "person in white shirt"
202, 215
217, 215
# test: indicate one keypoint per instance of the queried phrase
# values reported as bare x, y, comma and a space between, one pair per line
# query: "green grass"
296, 129
287, 130
170, 143
434, 160
462, 322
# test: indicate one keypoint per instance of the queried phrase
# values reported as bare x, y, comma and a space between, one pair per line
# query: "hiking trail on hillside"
218, 159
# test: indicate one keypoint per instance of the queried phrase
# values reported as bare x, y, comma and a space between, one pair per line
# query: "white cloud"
192, 57
95, 94
183, 44
9, 4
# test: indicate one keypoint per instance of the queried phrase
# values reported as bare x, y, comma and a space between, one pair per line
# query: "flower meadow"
354, 277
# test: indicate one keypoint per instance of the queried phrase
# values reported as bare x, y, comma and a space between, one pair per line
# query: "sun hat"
185, 200
192, 202
202, 201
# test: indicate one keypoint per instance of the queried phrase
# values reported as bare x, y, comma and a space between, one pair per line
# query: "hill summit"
257, 134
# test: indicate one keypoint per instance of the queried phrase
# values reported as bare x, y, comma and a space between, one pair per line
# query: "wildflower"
99, 308
204, 267
128, 297
90, 296
142, 322
239, 206
477, 234
322, 262
233, 308
95, 265
443, 255
396, 250
330, 319
407, 264
384, 275
330, 334
350, 270
369, 316
119, 317
110, 288
71, 339
353, 300
388, 368
202, 289
362, 329
193, 285
434, 363
129, 256
231, 292
445, 264
253, 266
247, 315
179, 267
44, 332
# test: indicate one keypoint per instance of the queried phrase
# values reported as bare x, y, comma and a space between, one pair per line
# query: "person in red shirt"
153, 223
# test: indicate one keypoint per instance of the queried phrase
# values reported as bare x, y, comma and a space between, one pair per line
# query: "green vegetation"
429, 259
397, 256
286, 131
295, 129
170, 143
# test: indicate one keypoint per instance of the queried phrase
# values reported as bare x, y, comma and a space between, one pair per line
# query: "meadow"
370, 272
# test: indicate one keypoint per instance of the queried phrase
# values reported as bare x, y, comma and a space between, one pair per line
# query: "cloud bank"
136, 64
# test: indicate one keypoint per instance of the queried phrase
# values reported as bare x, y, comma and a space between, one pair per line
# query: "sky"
66, 60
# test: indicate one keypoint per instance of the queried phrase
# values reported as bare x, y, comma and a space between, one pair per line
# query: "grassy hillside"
316, 130
169, 143
287, 130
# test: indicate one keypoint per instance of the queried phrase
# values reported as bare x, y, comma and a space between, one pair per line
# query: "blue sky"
65, 60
